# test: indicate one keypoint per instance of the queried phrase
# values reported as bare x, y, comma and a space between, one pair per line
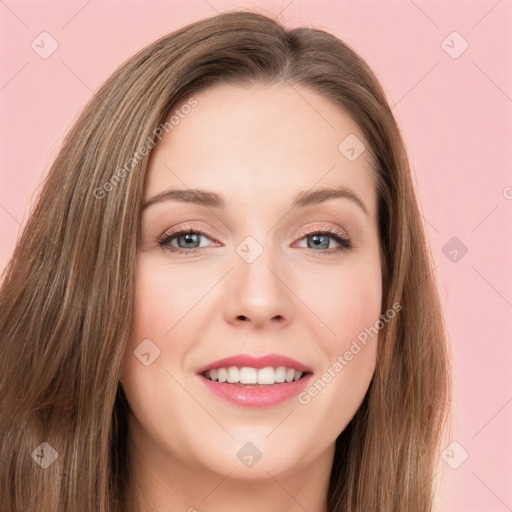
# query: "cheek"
151, 319
349, 301
163, 295
152, 309
350, 308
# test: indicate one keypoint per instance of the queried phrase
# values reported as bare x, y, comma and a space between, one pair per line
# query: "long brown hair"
68, 291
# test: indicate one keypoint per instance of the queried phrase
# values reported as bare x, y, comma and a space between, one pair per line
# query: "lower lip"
264, 396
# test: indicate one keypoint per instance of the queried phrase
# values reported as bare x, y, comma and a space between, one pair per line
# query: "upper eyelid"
186, 229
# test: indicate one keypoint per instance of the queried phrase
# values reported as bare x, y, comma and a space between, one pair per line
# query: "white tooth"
280, 374
213, 374
233, 375
298, 375
222, 374
267, 375
290, 373
248, 375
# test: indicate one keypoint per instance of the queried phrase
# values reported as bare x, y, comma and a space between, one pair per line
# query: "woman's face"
263, 277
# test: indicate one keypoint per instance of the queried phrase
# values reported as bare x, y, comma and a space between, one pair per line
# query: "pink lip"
240, 360
264, 396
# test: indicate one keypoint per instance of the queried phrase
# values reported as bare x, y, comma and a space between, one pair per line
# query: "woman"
224, 292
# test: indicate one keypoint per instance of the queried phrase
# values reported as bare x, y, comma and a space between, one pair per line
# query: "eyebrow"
214, 200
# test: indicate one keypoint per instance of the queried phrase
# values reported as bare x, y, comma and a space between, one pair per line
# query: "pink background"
456, 116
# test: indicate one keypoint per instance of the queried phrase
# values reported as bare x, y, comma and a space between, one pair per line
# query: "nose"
259, 293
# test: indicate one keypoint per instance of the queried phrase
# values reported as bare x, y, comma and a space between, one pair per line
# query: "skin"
258, 146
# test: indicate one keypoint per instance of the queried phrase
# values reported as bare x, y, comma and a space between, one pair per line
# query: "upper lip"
241, 360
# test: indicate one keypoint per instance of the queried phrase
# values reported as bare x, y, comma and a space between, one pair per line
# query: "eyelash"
345, 242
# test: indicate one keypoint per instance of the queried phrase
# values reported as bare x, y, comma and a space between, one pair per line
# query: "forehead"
257, 142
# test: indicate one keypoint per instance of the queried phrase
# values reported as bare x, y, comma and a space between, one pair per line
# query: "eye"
319, 239
188, 240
